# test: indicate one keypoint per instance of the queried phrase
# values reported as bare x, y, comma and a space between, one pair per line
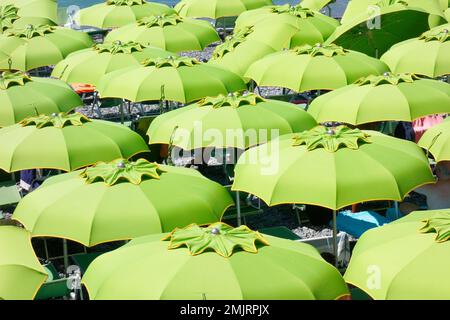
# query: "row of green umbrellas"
389, 262
19, 13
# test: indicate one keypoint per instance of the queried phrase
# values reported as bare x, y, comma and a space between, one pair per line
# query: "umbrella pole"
66, 255
238, 208
121, 112
397, 212
335, 249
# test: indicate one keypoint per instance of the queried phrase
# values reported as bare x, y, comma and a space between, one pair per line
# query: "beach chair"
106, 103
9, 193
56, 287
83, 260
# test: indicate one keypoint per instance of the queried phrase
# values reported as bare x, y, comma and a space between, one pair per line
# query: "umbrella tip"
445, 30
215, 231
54, 114
121, 165
386, 74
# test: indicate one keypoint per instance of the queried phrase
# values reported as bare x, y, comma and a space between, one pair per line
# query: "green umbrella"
65, 142
121, 200
23, 12
22, 96
437, 141
89, 65
356, 8
447, 14
240, 50
169, 32
179, 79
238, 121
217, 8
210, 263
426, 55
333, 168
313, 68
390, 97
21, 274
373, 33
309, 27
118, 13
37, 46
405, 260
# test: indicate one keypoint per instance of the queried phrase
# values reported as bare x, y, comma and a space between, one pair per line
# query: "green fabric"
21, 274
106, 15
89, 65
397, 23
426, 55
33, 11
65, 206
308, 68
168, 32
217, 8
24, 97
67, 148
382, 98
146, 269
168, 79
356, 8
409, 264
290, 25
188, 127
437, 141
28, 50
219, 237
281, 172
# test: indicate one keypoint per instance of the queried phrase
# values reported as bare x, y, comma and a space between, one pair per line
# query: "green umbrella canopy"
170, 32
426, 55
356, 8
332, 168
118, 13
408, 259
22, 96
374, 32
23, 12
437, 141
447, 14
217, 8
179, 79
65, 142
309, 27
37, 46
240, 50
390, 97
213, 262
121, 200
21, 274
238, 121
89, 65
313, 68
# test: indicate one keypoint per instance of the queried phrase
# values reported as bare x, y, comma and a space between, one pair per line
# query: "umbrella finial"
386, 74
330, 131
121, 165
445, 30
54, 114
